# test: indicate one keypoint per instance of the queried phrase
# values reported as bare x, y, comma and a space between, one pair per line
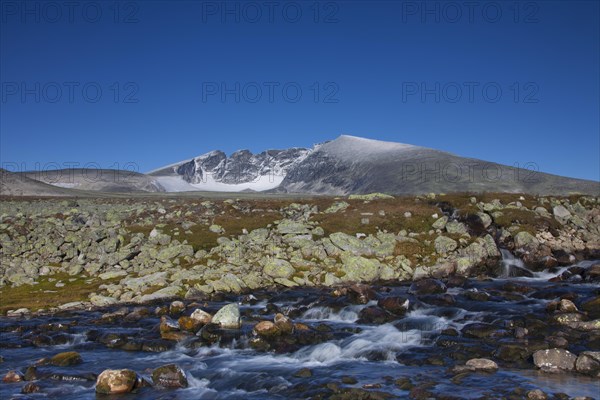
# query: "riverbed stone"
482, 364
12, 377
118, 381
66, 359
30, 387
228, 317
266, 329
427, 286
554, 360
588, 362
169, 376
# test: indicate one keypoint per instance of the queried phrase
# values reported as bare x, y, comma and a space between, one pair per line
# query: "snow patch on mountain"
209, 184
242, 170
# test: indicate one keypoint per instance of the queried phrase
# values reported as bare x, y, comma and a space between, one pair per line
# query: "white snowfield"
178, 184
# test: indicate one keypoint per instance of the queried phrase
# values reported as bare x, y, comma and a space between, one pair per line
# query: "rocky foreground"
106, 251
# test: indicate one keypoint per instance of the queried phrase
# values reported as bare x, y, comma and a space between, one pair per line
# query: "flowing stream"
422, 345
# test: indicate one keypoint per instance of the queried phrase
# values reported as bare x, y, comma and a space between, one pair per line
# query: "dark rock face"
241, 167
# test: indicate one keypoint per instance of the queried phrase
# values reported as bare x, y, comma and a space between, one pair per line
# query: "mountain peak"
354, 147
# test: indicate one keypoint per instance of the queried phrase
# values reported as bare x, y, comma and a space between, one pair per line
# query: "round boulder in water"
201, 316
116, 381
266, 329
169, 376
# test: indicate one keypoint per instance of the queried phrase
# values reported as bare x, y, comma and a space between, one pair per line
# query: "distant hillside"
103, 180
12, 184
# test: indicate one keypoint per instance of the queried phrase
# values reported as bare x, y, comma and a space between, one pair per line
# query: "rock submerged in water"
66, 359
228, 317
30, 387
116, 381
427, 286
482, 364
476, 365
169, 376
396, 305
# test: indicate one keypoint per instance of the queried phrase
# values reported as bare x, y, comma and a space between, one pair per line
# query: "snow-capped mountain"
352, 164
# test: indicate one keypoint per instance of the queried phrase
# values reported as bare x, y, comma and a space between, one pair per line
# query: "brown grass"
45, 294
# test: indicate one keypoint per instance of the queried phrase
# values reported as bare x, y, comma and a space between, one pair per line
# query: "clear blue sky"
363, 68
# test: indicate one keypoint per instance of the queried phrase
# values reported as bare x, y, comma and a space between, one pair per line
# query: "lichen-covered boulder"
359, 269
278, 268
444, 244
228, 317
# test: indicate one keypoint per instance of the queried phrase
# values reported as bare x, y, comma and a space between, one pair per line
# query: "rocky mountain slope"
356, 165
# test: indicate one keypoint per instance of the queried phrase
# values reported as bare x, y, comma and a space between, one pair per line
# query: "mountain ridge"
346, 165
